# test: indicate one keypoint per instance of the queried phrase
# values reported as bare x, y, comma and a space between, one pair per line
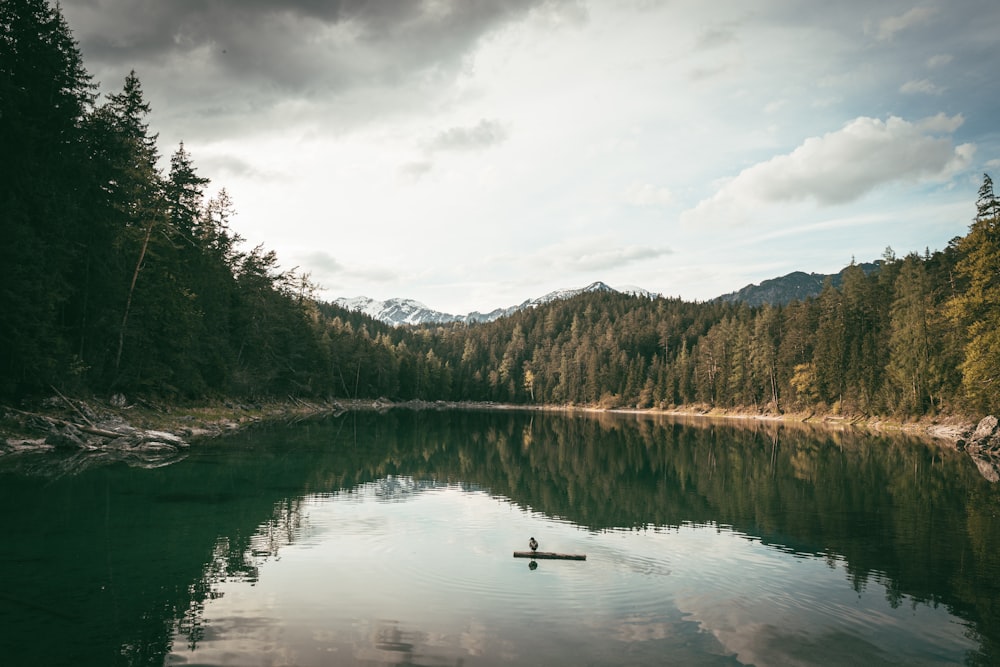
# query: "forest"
119, 274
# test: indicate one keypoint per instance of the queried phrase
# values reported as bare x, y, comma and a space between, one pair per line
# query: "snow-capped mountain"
396, 311
408, 311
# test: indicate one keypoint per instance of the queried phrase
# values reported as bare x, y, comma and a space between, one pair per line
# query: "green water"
387, 539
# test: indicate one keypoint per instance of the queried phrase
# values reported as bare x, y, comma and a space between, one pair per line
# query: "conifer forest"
120, 274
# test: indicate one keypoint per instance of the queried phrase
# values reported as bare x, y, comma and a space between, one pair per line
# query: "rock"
986, 437
986, 429
118, 400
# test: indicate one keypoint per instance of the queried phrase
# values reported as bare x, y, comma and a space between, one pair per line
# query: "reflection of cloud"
842, 166
642, 629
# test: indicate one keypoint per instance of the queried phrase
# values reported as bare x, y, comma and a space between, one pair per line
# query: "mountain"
794, 286
396, 311
407, 311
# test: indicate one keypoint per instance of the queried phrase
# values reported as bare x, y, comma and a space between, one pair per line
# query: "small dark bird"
533, 543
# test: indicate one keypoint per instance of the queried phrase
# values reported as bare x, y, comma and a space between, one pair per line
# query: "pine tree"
975, 308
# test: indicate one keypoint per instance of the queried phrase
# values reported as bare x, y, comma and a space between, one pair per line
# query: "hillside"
794, 286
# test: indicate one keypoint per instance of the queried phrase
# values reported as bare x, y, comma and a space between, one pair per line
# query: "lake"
388, 539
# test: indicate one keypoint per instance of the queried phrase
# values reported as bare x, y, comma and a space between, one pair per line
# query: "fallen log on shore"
549, 555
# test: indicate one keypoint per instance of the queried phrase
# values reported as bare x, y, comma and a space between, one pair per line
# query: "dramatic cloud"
469, 152
843, 166
253, 57
243, 35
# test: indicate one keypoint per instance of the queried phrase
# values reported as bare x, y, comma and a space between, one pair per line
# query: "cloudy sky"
471, 154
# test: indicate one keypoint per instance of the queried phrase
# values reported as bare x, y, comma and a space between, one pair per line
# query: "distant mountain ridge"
794, 286
399, 311
782, 290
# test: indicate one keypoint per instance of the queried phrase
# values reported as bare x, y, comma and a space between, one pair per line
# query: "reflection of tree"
916, 519
135, 553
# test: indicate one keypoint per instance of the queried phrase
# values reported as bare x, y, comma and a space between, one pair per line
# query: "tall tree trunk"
131, 290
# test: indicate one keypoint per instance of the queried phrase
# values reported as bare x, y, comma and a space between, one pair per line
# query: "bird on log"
535, 553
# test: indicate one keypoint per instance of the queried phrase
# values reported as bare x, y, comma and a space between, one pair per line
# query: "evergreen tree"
126, 155
44, 94
830, 347
975, 309
910, 339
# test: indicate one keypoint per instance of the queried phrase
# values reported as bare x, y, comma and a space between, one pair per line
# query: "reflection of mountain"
119, 552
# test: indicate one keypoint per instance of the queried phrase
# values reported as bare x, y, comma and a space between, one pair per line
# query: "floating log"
549, 554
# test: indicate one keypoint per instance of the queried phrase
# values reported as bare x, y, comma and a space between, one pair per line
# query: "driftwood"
72, 405
549, 555
55, 421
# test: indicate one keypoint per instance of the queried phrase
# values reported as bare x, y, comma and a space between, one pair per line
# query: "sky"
472, 154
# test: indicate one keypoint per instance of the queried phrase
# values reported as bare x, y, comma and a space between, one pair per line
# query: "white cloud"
324, 262
774, 106
922, 86
586, 255
940, 60
646, 194
610, 258
889, 27
842, 166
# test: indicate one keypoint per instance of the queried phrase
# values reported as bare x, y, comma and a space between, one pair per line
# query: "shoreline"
158, 431
216, 418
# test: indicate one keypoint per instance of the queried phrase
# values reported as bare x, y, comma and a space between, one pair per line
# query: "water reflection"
705, 589
719, 543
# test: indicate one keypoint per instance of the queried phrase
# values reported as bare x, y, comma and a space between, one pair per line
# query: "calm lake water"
387, 539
